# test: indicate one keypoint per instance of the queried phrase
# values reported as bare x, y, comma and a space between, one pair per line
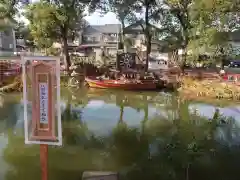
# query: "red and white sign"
41, 90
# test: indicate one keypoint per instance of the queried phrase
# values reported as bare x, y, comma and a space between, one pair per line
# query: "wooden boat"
232, 78
93, 82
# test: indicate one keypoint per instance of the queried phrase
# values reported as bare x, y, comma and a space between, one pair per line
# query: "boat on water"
95, 82
231, 73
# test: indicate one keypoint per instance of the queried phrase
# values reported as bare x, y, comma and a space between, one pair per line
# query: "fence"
10, 67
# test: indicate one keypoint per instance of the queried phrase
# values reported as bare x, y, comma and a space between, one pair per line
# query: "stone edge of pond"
209, 100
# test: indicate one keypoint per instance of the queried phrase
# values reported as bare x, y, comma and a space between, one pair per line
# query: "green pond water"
140, 135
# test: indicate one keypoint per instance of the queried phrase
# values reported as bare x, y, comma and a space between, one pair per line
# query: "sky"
96, 19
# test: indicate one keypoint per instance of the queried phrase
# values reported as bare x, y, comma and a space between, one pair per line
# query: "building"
7, 37
96, 38
135, 32
99, 38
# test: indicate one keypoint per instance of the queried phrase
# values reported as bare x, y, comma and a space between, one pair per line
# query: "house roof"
136, 27
234, 36
114, 28
97, 45
107, 28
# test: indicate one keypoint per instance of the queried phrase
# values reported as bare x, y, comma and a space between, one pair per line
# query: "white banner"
43, 95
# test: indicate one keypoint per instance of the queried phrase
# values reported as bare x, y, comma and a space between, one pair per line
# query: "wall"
98, 52
7, 40
93, 38
111, 51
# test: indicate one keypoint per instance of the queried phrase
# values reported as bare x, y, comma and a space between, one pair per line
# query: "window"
93, 39
89, 38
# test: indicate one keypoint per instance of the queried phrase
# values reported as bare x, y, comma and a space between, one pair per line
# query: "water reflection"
140, 135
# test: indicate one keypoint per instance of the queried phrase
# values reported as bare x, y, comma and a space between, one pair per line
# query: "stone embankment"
213, 89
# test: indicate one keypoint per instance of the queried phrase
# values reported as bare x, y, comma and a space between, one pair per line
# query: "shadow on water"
139, 135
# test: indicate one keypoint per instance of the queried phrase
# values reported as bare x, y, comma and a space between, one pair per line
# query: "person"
222, 72
123, 77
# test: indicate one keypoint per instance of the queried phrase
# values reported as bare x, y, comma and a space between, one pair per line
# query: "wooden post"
44, 161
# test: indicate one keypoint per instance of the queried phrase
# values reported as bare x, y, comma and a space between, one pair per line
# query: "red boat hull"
119, 84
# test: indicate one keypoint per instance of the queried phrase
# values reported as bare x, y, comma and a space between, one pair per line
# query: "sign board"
126, 61
41, 95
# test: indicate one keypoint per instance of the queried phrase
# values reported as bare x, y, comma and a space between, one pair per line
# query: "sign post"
41, 94
44, 161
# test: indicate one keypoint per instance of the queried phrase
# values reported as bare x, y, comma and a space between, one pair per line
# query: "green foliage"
200, 26
167, 149
42, 25
53, 51
9, 8
173, 148
57, 21
124, 9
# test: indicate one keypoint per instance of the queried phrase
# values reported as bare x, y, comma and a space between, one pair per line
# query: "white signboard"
43, 95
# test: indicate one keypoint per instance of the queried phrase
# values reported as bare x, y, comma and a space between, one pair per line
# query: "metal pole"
44, 161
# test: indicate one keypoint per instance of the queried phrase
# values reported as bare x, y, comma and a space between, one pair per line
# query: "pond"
140, 135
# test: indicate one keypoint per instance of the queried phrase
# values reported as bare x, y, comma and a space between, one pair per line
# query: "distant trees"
191, 25
57, 20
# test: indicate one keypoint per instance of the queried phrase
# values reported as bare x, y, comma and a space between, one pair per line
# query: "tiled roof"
138, 27
107, 28
97, 45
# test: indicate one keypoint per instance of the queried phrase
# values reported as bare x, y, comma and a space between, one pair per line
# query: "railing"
110, 39
83, 59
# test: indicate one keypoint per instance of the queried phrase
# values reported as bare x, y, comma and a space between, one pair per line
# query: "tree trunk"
185, 45
148, 51
184, 58
148, 36
223, 58
122, 46
65, 51
173, 57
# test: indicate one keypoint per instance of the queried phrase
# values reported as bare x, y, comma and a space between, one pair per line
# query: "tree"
57, 20
8, 8
213, 22
151, 14
199, 23
171, 36
42, 26
180, 12
125, 12
23, 32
